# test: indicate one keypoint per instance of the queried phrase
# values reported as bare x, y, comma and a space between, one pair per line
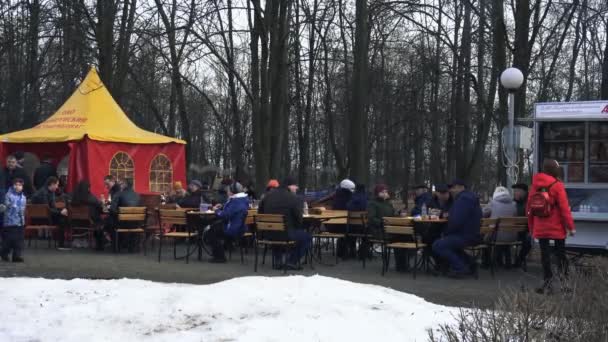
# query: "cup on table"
205, 207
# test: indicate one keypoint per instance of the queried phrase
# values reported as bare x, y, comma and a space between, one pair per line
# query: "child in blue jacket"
14, 222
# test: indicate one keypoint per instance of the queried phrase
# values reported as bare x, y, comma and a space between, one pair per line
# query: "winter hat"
196, 183
347, 184
521, 186
289, 181
379, 188
273, 183
441, 188
500, 191
177, 186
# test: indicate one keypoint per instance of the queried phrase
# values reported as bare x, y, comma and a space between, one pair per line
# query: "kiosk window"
565, 142
598, 152
122, 166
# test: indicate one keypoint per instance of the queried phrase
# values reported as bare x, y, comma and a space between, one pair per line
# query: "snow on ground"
293, 308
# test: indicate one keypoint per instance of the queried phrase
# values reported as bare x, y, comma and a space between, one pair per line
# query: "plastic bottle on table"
424, 210
305, 208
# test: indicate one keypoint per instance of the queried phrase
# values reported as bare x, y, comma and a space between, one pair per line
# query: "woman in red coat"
555, 226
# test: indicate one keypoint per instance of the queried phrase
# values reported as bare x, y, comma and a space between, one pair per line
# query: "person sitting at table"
501, 205
232, 224
46, 195
344, 193
177, 193
442, 200
377, 209
194, 197
423, 198
82, 196
358, 202
112, 186
342, 197
462, 230
283, 201
272, 185
126, 198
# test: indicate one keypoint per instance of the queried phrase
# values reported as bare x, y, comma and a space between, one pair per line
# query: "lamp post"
511, 79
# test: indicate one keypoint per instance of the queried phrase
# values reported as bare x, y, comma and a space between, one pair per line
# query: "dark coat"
465, 217
234, 213
283, 202
445, 207
358, 202
341, 199
95, 206
10, 175
45, 196
521, 207
42, 173
115, 190
192, 200
376, 210
125, 198
424, 199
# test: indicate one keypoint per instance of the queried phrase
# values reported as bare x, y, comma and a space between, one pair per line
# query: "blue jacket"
425, 198
234, 214
465, 217
341, 198
15, 209
358, 202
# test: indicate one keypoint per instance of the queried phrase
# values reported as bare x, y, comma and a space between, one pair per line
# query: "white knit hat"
347, 184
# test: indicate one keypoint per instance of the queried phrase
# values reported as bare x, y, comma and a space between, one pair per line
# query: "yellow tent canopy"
90, 111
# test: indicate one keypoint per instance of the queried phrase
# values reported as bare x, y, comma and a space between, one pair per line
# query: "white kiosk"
576, 135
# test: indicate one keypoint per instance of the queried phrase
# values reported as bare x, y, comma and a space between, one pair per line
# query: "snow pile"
294, 308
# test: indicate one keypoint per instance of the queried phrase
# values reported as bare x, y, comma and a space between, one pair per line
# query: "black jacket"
45, 196
125, 198
445, 207
283, 202
42, 173
114, 191
95, 208
10, 175
193, 200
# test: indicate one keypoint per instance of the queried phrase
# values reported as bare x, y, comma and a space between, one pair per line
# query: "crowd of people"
454, 202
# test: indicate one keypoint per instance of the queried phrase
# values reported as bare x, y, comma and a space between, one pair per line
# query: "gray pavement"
84, 263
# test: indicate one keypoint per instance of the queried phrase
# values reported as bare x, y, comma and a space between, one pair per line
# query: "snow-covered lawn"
293, 308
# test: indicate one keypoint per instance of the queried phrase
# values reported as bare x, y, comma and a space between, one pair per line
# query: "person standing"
14, 222
283, 201
549, 219
45, 170
520, 196
46, 195
232, 224
12, 172
462, 230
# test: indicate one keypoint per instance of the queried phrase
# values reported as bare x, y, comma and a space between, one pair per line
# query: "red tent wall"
90, 159
100, 155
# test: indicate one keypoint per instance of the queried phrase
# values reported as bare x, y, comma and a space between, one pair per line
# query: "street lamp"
511, 79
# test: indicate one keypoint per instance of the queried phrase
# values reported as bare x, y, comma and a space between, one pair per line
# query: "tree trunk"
358, 161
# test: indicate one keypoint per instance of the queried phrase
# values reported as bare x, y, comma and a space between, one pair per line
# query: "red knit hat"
273, 183
379, 188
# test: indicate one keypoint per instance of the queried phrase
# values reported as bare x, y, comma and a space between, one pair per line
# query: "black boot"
5, 258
